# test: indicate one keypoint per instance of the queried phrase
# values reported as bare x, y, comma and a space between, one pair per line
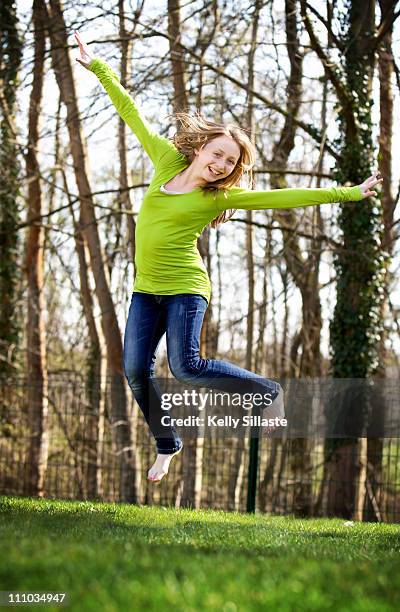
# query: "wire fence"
81, 458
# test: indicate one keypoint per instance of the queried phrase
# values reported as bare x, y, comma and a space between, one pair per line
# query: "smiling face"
217, 158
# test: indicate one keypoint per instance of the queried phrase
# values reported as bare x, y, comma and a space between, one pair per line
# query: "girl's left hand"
368, 185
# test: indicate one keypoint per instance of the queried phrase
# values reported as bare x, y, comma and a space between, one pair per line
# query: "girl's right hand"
86, 56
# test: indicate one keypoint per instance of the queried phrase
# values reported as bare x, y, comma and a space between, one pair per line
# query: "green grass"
120, 557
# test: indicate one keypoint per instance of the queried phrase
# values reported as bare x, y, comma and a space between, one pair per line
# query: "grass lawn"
121, 557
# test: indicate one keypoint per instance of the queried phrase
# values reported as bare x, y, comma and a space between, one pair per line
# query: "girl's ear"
197, 151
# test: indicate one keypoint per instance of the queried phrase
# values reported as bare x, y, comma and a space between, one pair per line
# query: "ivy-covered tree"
360, 262
10, 60
356, 326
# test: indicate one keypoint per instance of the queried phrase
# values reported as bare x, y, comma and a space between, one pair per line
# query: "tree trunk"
180, 100
97, 367
10, 60
375, 498
125, 201
37, 379
242, 442
354, 328
118, 410
304, 271
125, 198
259, 361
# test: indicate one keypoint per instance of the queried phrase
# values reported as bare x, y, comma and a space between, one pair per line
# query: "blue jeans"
181, 318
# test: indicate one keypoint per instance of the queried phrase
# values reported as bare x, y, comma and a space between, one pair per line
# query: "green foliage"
10, 59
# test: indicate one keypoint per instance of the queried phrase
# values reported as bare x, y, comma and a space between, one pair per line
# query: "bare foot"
160, 467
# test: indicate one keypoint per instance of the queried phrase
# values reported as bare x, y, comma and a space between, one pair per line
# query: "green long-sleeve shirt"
168, 225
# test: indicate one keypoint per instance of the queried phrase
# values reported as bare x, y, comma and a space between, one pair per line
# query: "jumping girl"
195, 183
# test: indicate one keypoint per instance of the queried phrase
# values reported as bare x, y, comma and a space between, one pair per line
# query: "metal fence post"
252, 474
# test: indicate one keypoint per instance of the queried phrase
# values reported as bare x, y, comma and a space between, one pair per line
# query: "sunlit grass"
123, 557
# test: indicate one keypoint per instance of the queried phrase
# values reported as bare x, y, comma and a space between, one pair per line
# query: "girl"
195, 183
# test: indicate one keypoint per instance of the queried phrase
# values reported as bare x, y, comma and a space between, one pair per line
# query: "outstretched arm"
154, 144
246, 199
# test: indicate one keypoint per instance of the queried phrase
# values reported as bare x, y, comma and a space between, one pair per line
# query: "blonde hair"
195, 132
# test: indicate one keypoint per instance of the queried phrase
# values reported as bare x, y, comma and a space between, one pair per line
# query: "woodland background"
298, 293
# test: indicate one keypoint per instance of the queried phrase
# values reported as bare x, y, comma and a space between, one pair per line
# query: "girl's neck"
188, 179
